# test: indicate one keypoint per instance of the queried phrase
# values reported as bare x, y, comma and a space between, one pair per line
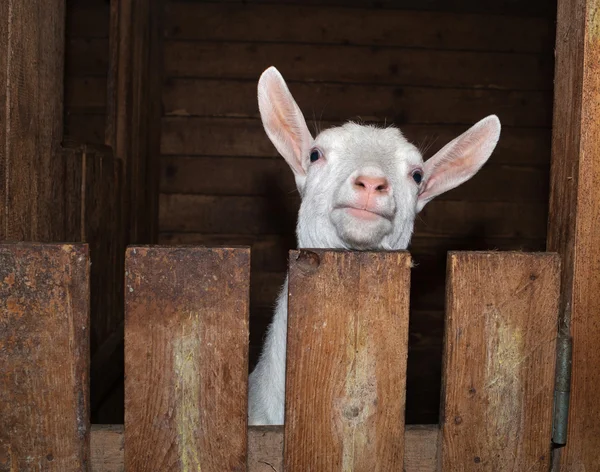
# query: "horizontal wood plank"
503, 7
265, 448
87, 19
256, 215
378, 65
272, 177
244, 137
343, 25
85, 95
84, 128
399, 105
86, 56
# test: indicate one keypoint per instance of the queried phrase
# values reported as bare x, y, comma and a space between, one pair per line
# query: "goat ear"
459, 160
283, 122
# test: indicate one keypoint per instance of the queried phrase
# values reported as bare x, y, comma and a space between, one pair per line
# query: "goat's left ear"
459, 160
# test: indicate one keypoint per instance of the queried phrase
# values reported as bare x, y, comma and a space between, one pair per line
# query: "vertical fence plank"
186, 359
346, 364
44, 357
500, 340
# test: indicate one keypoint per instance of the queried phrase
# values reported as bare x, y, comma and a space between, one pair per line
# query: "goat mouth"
362, 213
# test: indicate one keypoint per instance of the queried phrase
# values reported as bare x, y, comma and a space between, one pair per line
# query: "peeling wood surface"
265, 448
573, 227
346, 360
186, 358
44, 357
500, 348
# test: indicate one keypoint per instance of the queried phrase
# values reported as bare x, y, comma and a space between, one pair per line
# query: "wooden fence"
186, 361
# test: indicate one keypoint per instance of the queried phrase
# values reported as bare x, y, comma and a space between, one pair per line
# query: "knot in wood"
307, 261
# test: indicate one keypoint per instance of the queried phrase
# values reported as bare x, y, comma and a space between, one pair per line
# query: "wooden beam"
134, 114
186, 358
348, 328
265, 448
574, 216
500, 350
31, 100
44, 357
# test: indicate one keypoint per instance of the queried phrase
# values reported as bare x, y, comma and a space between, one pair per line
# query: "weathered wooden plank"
400, 105
348, 322
255, 176
500, 349
87, 19
133, 113
379, 65
85, 128
347, 26
85, 95
186, 343
257, 215
87, 56
505, 7
44, 357
574, 217
31, 98
245, 137
265, 448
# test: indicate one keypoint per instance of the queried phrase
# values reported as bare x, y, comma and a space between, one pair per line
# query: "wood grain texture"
245, 137
347, 325
265, 448
31, 98
379, 65
133, 109
44, 357
346, 26
574, 216
260, 215
186, 358
499, 358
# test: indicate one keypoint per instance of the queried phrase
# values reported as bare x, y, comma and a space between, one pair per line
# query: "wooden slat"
265, 448
186, 358
31, 99
500, 349
343, 25
133, 113
87, 19
85, 128
245, 137
266, 177
400, 105
44, 357
574, 217
505, 7
379, 65
86, 57
85, 94
348, 324
257, 215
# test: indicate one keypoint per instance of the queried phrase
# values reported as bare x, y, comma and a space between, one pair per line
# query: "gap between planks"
265, 448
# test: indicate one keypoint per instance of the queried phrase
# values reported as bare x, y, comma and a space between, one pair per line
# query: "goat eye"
314, 155
417, 176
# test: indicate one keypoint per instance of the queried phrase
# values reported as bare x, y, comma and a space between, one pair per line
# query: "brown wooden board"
259, 215
398, 104
574, 218
378, 65
44, 357
499, 358
186, 358
347, 26
245, 137
256, 176
265, 448
31, 98
133, 109
346, 360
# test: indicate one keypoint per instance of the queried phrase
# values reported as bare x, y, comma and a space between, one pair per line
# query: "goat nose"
371, 184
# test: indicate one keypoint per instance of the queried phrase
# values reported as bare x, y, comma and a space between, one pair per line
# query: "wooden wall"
431, 72
432, 67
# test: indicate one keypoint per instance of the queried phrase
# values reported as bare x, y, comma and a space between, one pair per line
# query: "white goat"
361, 188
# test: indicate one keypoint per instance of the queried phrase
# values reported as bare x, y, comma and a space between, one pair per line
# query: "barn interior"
430, 67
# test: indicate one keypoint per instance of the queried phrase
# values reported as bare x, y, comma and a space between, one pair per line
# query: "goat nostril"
382, 188
358, 183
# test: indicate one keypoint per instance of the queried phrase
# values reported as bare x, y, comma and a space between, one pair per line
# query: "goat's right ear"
284, 123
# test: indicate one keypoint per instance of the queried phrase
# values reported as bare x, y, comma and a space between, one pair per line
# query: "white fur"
332, 184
